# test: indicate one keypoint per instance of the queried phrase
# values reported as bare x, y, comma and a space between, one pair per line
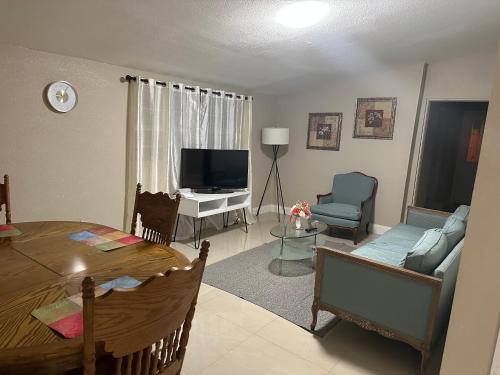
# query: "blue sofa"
400, 285
349, 206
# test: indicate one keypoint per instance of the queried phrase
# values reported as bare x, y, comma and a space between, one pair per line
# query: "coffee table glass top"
287, 230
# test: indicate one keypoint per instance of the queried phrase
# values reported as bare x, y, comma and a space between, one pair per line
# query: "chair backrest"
145, 329
158, 214
353, 188
5, 198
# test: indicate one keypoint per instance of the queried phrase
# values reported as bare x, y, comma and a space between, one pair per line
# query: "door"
450, 154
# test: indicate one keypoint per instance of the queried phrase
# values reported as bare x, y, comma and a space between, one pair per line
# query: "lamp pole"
274, 137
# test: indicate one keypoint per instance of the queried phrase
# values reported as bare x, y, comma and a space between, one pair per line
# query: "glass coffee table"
296, 244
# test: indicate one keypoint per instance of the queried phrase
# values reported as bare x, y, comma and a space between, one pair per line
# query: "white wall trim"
378, 228
374, 228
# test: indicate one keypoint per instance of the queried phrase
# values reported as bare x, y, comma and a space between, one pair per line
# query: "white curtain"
163, 120
148, 141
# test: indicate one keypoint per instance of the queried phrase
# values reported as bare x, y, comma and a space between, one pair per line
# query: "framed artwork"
375, 118
324, 131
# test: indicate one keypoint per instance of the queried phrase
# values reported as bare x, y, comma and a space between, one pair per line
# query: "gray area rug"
255, 276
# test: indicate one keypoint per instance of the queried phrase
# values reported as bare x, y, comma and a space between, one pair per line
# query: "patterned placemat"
65, 316
8, 230
104, 238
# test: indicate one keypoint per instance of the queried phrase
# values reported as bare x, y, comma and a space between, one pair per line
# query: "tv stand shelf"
199, 206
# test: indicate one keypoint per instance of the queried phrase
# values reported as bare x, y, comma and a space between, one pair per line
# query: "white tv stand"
199, 206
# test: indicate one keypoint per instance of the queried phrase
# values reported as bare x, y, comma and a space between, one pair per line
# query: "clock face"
61, 96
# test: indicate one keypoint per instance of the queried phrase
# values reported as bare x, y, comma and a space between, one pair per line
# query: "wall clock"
61, 96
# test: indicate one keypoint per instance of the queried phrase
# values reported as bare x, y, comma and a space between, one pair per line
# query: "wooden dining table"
43, 265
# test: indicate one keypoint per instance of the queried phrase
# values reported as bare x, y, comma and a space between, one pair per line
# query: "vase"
298, 223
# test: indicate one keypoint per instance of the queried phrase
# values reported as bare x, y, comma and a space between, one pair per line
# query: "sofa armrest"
324, 198
425, 217
393, 301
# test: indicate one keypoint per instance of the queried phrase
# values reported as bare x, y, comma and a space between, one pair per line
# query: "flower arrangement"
298, 210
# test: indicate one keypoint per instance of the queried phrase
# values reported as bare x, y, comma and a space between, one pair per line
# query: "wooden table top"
43, 265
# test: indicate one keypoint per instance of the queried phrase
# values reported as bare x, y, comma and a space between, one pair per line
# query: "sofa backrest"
352, 188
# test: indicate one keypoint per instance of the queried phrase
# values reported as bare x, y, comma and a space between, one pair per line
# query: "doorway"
450, 154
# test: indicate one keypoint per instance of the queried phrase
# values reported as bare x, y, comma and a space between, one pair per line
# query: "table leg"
245, 218
197, 243
281, 255
176, 225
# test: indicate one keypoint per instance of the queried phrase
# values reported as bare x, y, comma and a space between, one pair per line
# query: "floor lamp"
275, 137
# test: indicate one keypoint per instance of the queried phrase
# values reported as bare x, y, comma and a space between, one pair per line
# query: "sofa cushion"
462, 212
393, 246
384, 254
428, 252
454, 228
340, 210
401, 235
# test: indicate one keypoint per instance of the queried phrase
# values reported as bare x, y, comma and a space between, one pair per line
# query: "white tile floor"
232, 336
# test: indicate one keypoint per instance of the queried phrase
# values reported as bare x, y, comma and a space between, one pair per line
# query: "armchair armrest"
393, 301
324, 198
425, 217
366, 204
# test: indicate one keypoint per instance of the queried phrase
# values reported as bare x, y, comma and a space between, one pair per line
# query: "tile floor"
232, 336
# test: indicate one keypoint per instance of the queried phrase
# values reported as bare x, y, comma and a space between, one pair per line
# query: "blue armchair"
350, 204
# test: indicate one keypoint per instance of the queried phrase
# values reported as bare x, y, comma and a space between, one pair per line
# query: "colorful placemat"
8, 230
65, 316
104, 238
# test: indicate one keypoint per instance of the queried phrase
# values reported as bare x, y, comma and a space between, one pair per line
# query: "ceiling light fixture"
302, 13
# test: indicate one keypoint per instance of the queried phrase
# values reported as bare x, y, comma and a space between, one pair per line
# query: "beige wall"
69, 166
476, 311
467, 77
308, 172
261, 156
463, 78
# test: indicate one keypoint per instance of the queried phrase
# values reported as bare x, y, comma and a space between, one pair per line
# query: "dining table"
43, 265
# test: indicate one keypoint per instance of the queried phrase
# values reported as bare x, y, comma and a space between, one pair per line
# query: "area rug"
255, 276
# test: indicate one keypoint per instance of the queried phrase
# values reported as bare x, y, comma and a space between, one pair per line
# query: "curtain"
163, 120
148, 141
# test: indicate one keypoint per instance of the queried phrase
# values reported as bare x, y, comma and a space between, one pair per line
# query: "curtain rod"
129, 78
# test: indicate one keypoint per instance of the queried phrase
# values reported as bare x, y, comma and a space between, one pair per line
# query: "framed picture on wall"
324, 131
375, 118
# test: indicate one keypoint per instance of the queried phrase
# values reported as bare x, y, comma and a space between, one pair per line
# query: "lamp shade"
275, 136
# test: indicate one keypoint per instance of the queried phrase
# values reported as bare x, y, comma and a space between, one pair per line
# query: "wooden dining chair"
5, 198
158, 214
145, 330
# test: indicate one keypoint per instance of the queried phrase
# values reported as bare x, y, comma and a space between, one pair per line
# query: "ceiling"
238, 43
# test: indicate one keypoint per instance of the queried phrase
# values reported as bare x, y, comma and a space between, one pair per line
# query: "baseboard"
374, 228
378, 229
264, 209
270, 208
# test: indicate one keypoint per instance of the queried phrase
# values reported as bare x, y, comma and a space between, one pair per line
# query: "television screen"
214, 169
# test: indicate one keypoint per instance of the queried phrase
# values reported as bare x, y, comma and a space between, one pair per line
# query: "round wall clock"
61, 96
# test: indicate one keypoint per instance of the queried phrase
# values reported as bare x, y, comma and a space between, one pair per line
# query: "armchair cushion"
454, 228
339, 210
336, 221
428, 252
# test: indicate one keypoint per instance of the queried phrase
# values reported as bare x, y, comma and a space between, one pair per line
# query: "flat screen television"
214, 170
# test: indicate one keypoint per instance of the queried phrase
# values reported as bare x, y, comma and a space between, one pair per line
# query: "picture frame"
324, 130
374, 118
